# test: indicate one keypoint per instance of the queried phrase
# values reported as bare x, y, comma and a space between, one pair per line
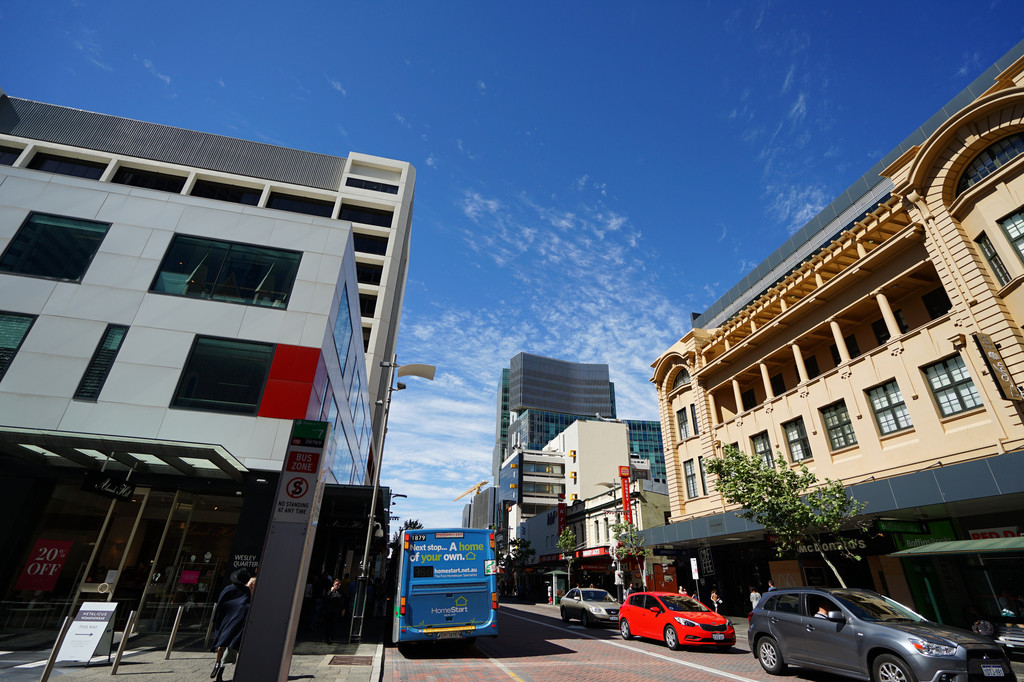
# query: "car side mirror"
655, 609
836, 615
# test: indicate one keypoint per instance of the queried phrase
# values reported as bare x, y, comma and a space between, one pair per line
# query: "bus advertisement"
447, 585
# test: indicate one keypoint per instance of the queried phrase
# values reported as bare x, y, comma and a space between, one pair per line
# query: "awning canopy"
986, 546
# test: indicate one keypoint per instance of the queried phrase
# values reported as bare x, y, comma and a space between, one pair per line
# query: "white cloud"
152, 69
336, 84
799, 109
220, 82
86, 43
431, 161
481, 87
401, 119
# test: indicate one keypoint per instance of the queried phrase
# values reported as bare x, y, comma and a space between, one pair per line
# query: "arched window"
989, 160
681, 379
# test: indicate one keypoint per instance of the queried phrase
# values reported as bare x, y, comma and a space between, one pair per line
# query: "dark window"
994, 261
811, 365
762, 446
881, 329
225, 271
749, 399
937, 303
61, 165
703, 475
367, 216
838, 425
890, 411
102, 360
693, 419
13, 329
53, 246
8, 155
366, 243
684, 424
285, 202
991, 158
851, 345
367, 305
343, 330
952, 386
682, 378
224, 375
368, 273
691, 479
366, 339
149, 180
222, 192
373, 185
1013, 226
778, 384
796, 439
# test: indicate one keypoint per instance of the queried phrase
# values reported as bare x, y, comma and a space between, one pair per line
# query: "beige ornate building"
881, 346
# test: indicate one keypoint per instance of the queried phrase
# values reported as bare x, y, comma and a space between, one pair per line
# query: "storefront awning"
987, 546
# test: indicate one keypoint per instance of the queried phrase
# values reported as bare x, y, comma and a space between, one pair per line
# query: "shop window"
149, 180
682, 418
936, 303
796, 440
761, 444
220, 191
952, 387
890, 411
286, 202
366, 215
13, 330
102, 360
691, 479
62, 165
227, 271
224, 375
995, 263
53, 246
838, 426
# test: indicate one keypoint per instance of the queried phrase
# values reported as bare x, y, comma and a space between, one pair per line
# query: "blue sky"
589, 173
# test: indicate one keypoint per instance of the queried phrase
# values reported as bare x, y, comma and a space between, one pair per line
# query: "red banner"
627, 504
561, 517
44, 565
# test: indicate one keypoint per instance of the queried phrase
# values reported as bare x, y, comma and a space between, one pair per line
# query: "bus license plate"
717, 636
449, 635
992, 670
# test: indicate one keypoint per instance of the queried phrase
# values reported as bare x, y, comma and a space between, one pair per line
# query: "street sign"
92, 628
693, 567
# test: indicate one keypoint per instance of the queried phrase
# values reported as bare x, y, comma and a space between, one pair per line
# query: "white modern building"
170, 301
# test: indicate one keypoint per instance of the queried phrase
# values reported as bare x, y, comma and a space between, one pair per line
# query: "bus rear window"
422, 571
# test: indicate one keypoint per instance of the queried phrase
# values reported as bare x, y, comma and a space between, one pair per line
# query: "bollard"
124, 641
56, 648
209, 628
174, 632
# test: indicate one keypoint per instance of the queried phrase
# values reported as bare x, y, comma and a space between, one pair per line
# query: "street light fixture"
415, 370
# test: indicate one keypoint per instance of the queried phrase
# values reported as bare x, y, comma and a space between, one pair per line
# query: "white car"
591, 605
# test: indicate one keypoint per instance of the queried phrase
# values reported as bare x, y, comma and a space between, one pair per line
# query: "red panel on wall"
290, 384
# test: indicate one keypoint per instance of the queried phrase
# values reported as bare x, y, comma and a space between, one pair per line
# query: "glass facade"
645, 442
537, 382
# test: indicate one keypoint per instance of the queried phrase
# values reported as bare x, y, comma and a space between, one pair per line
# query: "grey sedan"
592, 606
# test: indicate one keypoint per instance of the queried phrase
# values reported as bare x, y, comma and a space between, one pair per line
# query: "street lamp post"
359, 605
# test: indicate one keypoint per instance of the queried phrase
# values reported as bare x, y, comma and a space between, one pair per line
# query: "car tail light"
401, 608
494, 601
405, 544
492, 540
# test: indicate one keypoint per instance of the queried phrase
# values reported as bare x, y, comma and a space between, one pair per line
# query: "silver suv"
861, 634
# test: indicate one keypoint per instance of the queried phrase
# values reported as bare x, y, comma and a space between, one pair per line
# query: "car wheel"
770, 657
624, 629
671, 638
565, 615
585, 619
891, 669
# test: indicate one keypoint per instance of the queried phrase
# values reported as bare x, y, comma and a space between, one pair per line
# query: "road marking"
503, 667
695, 666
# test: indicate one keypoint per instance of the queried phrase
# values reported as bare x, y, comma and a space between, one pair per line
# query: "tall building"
880, 346
170, 301
645, 443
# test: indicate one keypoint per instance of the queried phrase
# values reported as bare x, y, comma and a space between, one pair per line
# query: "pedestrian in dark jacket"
335, 608
229, 619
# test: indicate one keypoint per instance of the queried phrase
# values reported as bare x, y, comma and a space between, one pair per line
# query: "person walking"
755, 597
334, 610
716, 601
229, 619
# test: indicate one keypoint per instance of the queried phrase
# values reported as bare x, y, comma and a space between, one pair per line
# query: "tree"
567, 543
396, 537
630, 546
791, 503
519, 553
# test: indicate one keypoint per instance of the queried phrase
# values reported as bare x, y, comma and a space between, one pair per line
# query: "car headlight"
928, 648
683, 621
596, 609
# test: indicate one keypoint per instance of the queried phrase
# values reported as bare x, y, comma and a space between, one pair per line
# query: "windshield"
597, 595
876, 608
677, 602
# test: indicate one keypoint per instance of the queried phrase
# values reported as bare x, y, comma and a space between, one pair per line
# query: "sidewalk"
144, 659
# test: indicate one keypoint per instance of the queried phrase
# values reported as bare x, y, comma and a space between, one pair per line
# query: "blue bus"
447, 585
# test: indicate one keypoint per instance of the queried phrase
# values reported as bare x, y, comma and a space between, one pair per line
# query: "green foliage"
519, 553
630, 541
789, 502
567, 545
396, 537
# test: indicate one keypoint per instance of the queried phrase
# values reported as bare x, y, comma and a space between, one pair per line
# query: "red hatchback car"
676, 619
